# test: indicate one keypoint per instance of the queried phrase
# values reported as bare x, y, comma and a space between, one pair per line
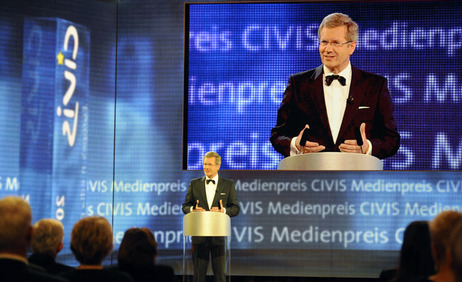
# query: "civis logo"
69, 114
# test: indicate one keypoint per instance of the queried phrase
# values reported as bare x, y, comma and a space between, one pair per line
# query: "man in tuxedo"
15, 237
216, 194
343, 108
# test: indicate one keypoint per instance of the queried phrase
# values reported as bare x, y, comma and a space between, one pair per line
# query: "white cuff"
369, 150
293, 149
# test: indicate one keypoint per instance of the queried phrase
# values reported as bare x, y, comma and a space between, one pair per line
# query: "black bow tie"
331, 78
210, 180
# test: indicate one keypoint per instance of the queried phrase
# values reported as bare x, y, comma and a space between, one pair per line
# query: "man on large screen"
216, 194
341, 107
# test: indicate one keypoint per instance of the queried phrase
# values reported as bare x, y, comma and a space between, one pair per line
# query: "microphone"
305, 137
350, 100
359, 139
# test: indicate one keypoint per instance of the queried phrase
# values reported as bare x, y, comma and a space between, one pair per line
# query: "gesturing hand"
221, 209
351, 145
197, 208
309, 146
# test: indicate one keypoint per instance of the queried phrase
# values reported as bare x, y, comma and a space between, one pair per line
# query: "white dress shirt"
210, 190
335, 97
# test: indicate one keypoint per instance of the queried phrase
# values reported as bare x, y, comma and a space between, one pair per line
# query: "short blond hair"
91, 240
338, 19
440, 228
213, 155
15, 223
48, 235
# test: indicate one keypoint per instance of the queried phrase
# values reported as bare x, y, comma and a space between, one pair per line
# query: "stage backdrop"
92, 96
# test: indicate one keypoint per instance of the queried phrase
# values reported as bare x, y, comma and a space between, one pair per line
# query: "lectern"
331, 161
206, 224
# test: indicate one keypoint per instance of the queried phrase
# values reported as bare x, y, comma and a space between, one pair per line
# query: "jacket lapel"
320, 103
203, 194
216, 198
357, 92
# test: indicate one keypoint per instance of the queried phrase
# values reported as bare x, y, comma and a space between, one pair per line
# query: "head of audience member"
48, 237
91, 240
416, 259
440, 229
15, 226
138, 249
456, 252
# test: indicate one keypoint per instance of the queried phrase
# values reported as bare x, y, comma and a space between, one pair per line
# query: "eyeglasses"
324, 43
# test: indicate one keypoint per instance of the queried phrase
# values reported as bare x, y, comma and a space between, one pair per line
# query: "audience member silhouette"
456, 252
415, 261
91, 242
137, 254
441, 228
47, 242
15, 237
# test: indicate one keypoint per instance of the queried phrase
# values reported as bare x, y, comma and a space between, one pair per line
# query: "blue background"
136, 107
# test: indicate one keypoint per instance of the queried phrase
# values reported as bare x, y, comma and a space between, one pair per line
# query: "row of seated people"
431, 251
91, 243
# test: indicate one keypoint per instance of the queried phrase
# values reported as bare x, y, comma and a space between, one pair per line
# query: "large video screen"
239, 57
91, 123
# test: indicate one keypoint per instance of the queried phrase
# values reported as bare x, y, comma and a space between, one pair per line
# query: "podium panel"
331, 161
210, 226
206, 224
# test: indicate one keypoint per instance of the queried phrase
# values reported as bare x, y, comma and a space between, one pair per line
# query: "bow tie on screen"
210, 180
331, 78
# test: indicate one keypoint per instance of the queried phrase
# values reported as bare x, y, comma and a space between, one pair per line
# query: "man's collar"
345, 73
215, 178
13, 257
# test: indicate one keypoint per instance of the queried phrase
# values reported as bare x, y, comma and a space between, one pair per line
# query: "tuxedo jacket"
225, 191
369, 102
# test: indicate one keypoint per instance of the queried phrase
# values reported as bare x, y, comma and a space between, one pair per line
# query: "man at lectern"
216, 194
336, 107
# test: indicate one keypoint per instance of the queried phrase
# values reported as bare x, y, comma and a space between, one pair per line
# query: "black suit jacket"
152, 273
18, 271
97, 275
48, 263
225, 191
369, 102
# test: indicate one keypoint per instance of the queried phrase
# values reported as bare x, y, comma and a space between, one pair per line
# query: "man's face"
210, 167
335, 58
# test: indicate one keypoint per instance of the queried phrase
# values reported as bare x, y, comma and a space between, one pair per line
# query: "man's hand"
221, 209
351, 145
309, 147
197, 208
